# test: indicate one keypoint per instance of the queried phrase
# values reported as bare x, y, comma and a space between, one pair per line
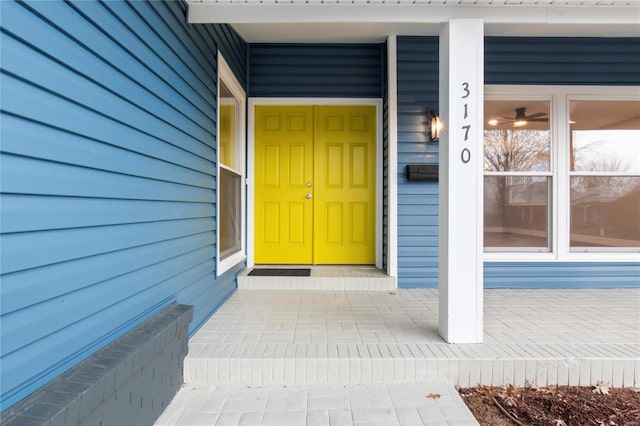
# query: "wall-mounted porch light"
435, 125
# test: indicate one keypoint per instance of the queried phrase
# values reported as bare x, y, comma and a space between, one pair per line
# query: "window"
517, 181
561, 172
231, 191
604, 174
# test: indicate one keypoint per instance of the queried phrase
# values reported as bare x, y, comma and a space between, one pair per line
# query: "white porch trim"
363, 21
253, 102
392, 153
301, 11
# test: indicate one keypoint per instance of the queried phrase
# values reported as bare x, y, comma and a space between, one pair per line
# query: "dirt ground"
556, 406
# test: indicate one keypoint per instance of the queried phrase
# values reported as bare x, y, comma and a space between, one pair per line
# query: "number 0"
465, 155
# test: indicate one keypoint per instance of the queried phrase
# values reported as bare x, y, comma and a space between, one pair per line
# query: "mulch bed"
555, 406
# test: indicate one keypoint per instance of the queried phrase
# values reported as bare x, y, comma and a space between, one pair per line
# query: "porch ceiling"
373, 20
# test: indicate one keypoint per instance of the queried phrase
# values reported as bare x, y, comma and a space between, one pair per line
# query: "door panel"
283, 166
332, 149
345, 185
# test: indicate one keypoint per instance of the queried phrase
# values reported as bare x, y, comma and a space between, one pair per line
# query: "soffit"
373, 20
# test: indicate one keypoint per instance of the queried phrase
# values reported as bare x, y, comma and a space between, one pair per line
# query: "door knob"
309, 196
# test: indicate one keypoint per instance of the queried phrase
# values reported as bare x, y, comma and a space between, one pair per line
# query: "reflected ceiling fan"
521, 118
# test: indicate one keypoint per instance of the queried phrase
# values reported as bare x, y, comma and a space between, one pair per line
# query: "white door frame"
253, 102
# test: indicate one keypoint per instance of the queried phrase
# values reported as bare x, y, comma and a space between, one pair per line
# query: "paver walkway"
434, 403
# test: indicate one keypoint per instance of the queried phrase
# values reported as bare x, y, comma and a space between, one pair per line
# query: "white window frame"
559, 222
225, 74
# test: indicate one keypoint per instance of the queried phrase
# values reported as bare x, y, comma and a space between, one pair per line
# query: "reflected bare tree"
516, 150
585, 158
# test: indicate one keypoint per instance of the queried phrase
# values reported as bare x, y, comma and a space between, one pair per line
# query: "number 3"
465, 87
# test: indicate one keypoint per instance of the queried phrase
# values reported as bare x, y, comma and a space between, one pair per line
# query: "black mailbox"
422, 172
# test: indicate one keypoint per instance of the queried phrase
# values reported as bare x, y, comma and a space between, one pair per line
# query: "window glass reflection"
605, 211
230, 214
227, 125
605, 136
605, 156
516, 211
606, 151
517, 136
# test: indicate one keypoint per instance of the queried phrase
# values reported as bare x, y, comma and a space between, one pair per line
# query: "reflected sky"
606, 151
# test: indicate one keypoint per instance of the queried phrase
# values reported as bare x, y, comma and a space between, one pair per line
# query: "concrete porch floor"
548, 337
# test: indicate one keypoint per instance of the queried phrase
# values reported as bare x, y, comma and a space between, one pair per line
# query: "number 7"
466, 131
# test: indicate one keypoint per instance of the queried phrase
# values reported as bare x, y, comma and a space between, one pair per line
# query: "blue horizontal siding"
316, 70
418, 59
561, 274
32, 286
33, 176
41, 213
562, 60
108, 177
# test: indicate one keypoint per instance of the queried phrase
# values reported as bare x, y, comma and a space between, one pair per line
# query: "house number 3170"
465, 155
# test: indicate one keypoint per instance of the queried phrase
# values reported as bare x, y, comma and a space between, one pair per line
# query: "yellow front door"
315, 184
283, 168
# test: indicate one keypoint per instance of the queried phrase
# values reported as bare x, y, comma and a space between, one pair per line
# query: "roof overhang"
360, 21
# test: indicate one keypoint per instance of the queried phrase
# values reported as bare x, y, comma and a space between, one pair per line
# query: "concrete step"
461, 365
322, 278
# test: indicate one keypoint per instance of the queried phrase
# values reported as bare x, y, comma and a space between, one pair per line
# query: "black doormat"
280, 272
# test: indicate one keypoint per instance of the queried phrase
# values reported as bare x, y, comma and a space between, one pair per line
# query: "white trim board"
253, 102
392, 152
361, 21
367, 12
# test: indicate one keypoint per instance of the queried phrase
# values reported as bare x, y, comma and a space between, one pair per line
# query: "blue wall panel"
108, 176
562, 60
316, 70
561, 274
417, 201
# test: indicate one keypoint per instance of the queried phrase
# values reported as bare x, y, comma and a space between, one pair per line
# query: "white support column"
461, 184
